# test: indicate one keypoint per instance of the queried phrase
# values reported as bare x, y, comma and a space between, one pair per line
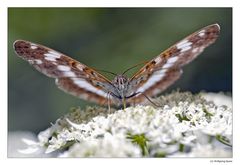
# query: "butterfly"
86, 83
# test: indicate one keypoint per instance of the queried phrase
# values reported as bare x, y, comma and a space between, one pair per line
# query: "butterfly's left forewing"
71, 76
165, 69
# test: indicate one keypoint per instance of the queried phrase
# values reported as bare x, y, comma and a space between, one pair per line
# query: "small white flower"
24, 144
108, 146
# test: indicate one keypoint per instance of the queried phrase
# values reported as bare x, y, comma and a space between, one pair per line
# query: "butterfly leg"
109, 102
145, 97
124, 103
150, 100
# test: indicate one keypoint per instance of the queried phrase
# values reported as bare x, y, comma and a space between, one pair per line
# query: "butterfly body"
84, 82
122, 88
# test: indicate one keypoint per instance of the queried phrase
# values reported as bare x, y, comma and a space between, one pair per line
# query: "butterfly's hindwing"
83, 89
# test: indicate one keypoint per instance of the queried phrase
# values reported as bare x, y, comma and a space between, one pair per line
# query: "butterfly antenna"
107, 72
134, 67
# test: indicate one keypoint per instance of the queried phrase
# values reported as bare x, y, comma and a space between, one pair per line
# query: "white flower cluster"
184, 125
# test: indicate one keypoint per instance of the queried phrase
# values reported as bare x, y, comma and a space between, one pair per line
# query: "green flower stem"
140, 140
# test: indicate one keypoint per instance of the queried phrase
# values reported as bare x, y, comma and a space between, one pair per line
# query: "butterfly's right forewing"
162, 71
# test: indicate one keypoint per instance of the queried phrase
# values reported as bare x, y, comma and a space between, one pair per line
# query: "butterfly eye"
121, 81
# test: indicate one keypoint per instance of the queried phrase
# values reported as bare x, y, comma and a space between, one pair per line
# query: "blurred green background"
112, 39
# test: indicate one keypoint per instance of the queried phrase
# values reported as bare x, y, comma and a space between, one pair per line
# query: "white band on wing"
89, 87
158, 75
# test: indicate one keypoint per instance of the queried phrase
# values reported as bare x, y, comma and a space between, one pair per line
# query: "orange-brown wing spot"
148, 68
95, 76
169, 52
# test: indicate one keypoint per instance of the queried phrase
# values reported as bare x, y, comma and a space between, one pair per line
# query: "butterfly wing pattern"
84, 82
162, 71
71, 76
